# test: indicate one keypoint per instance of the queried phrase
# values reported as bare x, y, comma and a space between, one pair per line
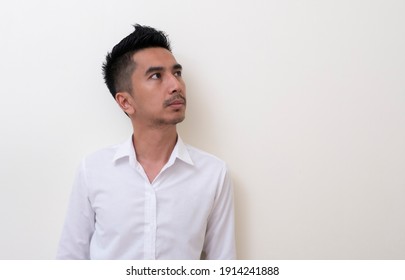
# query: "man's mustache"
174, 98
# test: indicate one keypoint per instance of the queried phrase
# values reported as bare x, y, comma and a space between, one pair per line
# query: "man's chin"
174, 121
178, 120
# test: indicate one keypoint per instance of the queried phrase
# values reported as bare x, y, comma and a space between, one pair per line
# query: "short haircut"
119, 65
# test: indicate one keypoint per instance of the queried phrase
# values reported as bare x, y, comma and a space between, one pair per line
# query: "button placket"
150, 223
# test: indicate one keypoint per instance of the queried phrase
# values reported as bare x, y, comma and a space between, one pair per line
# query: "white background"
305, 101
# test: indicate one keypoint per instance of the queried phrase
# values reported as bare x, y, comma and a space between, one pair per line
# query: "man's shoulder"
202, 157
105, 155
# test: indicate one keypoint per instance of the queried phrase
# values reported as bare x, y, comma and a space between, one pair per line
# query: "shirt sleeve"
79, 223
220, 236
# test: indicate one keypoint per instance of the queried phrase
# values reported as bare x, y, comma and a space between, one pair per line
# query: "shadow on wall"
242, 228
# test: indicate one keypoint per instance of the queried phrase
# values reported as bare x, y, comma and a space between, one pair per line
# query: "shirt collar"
125, 149
180, 151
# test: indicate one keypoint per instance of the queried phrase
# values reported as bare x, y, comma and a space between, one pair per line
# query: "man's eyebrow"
153, 69
177, 67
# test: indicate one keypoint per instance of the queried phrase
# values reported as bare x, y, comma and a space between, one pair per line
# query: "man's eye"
177, 73
156, 76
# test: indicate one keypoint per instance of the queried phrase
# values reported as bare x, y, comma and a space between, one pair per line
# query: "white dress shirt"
116, 213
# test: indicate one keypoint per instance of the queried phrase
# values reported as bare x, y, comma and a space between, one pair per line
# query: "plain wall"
305, 101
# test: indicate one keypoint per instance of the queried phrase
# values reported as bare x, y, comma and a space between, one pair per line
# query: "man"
152, 197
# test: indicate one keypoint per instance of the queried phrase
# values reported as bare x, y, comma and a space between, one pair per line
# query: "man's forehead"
154, 57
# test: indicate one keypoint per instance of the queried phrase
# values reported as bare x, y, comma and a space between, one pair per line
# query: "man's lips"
177, 102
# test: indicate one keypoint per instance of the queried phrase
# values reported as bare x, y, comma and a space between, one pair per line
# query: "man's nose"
175, 84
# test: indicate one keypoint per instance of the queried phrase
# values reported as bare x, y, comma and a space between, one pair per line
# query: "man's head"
145, 79
119, 63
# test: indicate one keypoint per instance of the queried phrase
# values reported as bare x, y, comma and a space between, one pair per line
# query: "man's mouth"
177, 102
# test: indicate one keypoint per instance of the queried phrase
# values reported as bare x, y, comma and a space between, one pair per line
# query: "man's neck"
153, 148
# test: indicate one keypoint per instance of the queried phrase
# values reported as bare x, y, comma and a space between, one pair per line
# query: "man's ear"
126, 102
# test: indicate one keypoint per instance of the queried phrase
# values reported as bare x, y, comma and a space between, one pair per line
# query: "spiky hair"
119, 65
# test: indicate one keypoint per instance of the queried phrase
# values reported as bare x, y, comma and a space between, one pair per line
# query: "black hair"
119, 65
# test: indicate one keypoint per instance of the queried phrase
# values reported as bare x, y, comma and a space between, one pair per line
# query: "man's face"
158, 89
